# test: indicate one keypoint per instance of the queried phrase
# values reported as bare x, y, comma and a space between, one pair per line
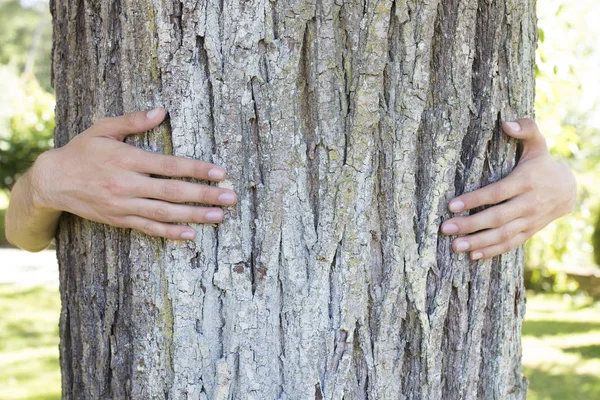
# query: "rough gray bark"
345, 126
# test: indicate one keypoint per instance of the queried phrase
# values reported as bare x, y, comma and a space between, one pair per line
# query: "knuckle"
472, 199
197, 216
506, 247
499, 217
130, 121
100, 122
111, 203
507, 234
161, 214
169, 167
465, 226
115, 185
496, 219
123, 157
149, 229
528, 124
496, 193
204, 195
172, 232
116, 221
171, 191
529, 182
198, 169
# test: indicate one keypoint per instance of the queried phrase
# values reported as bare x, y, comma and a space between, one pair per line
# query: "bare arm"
28, 225
100, 178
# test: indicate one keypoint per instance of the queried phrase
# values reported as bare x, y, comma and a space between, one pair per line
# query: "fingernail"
514, 126
188, 235
449, 228
227, 198
462, 246
456, 206
214, 216
476, 256
152, 114
216, 174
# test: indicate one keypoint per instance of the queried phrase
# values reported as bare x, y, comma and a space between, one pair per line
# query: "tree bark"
345, 126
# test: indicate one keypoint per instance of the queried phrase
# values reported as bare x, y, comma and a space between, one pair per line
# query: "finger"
494, 193
185, 192
490, 237
492, 217
169, 212
534, 143
165, 165
160, 229
136, 122
501, 248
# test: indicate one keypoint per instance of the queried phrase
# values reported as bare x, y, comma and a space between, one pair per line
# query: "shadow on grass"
21, 334
30, 369
12, 292
551, 328
589, 352
543, 385
55, 396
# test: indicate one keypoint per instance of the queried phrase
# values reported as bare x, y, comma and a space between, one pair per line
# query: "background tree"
345, 128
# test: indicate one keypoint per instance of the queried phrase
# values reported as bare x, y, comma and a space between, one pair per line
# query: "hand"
535, 193
100, 178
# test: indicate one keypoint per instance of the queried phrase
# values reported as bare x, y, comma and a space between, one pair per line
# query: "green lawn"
561, 349
29, 343
561, 346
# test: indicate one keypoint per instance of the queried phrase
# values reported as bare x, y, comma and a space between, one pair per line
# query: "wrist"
39, 181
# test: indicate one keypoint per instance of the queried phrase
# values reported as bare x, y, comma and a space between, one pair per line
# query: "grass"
29, 343
561, 346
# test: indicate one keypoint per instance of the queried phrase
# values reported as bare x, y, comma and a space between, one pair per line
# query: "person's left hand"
535, 193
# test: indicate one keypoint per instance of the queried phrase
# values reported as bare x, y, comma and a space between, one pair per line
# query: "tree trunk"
345, 126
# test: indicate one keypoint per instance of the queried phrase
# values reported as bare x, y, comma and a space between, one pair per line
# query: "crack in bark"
202, 60
347, 60
275, 17
176, 21
318, 392
306, 84
360, 364
281, 314
254, 90
339, 349
332, 286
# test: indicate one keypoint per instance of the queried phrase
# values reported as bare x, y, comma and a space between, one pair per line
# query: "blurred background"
561, 334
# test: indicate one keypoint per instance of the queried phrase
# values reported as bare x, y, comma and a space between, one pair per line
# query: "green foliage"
26, 38
26, 103
596, 239
566, 111
3, 241
28, 126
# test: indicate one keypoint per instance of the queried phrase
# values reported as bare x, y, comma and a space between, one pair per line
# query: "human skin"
535, 193
99, 177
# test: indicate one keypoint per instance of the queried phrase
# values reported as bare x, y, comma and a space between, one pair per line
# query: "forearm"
28, 225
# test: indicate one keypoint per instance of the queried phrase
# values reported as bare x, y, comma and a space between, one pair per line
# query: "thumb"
120, 127
534, 143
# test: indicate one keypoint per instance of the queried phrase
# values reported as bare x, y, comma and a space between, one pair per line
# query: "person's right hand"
99, 177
